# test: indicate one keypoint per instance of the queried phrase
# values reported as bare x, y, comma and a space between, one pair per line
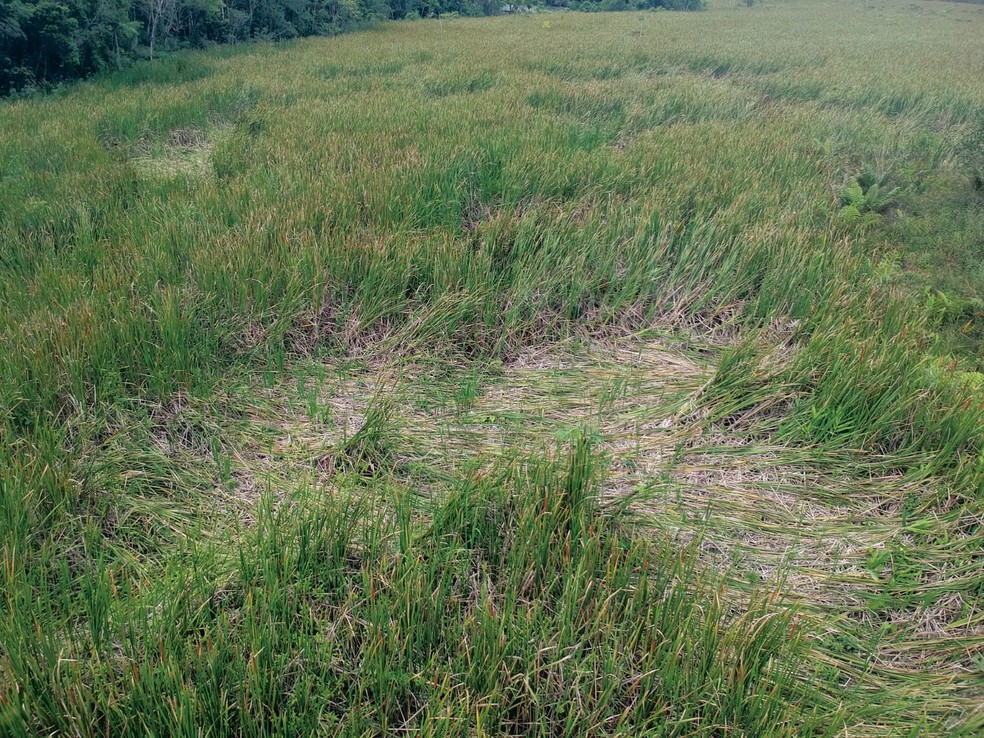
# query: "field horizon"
548, 374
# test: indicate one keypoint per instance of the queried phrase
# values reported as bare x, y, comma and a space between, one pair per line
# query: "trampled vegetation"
537, 375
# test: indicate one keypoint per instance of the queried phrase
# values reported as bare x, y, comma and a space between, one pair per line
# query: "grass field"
557, 374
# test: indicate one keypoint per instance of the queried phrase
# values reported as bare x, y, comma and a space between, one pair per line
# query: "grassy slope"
233, 283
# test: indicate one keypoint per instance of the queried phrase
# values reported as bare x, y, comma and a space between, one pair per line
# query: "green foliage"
349, 614
186, 551
867, 195
43, 42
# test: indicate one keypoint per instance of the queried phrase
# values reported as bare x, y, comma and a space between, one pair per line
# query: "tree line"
46, 42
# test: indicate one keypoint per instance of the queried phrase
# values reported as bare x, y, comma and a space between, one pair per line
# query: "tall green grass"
459, 192
517, 607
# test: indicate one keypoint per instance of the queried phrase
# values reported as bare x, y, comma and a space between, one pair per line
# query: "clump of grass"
973, 151
370, 449
521, 606
382, 69
462, 85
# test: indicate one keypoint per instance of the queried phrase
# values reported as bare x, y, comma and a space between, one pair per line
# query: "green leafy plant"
867, 194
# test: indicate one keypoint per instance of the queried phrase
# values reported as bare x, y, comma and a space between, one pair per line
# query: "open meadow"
556, 374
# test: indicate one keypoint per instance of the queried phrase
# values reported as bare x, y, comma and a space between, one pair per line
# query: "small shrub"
867, 194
